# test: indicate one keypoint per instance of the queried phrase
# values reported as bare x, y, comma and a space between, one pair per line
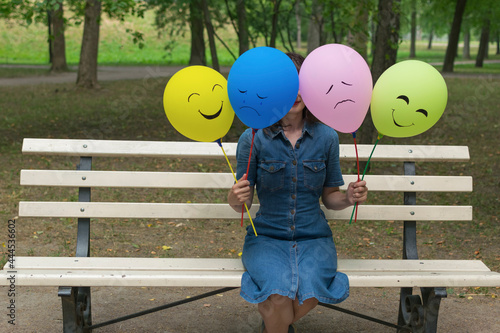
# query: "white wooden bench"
75, 275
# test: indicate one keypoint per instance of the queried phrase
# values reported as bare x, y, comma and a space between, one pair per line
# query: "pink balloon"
336, 85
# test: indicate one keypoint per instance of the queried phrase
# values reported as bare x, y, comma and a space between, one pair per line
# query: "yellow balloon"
408, 99
197, 105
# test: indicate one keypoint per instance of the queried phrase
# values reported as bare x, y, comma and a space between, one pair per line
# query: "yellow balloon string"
236, 180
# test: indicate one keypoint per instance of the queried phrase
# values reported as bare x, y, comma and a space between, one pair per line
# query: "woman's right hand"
240, 193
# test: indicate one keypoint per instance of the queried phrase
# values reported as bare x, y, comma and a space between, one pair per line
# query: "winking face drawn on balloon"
197, 105
408, 99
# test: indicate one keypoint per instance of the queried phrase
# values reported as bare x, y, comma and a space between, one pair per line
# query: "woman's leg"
277, 312
301, 310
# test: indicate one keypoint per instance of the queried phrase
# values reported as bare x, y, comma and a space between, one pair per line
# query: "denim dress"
294, 254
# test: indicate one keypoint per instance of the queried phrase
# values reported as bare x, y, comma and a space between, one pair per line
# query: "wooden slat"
223, 211
362, 273
224, 264
225, 180
210, 149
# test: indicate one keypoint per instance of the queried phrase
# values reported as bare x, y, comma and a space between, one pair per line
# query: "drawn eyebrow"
329, 89
422, 111
404, 98
215, 85
347, 84
192, 95
261, 97
242, 91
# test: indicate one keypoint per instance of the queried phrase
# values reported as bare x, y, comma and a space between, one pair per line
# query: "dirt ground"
39, 309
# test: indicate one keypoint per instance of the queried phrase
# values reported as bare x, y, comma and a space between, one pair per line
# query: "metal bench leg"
76, 309
432, 300
420, 314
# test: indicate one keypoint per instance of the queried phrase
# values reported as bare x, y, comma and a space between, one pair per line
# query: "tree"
211, 36
87, 69
483, 43
58, 56
242, 30
413, 52
197, 56
451, 49
384, 53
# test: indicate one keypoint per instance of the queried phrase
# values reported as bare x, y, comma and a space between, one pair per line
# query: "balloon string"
248, 169
236, 180
357, 163
364, 171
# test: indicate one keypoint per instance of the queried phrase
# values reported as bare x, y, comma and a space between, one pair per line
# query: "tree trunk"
451, 50
498, 42
197, 40
359, 39
87, 69
58, 58
466, 51
483, 43
211, 36
384, 56
274, 22
242, 26
299, 24
431, 35
413, 52
315, 27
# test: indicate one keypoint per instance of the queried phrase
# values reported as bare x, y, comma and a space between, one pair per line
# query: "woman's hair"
306, 114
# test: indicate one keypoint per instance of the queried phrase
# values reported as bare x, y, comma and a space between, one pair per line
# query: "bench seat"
219, 272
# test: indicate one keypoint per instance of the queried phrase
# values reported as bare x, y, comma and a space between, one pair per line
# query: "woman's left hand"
357, 192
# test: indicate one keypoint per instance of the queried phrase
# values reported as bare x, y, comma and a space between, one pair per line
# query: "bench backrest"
85, 179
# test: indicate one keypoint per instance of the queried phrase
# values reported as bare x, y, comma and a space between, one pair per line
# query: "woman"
292, 264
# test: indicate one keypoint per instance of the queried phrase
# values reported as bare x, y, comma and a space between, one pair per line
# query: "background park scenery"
46, 38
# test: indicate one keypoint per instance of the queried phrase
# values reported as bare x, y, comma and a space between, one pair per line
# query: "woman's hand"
357, 192
240, 193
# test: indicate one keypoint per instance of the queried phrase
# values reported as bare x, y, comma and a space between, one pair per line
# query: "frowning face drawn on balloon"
336, 86
262, 86
197, 105
408, 99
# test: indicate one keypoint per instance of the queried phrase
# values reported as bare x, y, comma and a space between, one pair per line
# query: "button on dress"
294, 254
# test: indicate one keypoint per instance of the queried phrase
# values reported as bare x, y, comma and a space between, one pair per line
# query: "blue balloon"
262, 85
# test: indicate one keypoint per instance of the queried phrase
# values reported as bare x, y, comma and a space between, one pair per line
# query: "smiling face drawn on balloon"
262, 86
408, 99
196, 103
336, 86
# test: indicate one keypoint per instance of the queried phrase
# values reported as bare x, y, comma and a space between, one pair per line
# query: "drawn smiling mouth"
212, 116
395, 123
249, 107
343, 101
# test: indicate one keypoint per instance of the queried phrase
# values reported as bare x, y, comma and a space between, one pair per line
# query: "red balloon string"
248, 168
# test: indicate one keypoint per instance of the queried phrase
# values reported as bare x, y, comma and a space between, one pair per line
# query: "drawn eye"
347, 84
329, 89
261, 97
404, 98
242, 91
216, 85
192, 95
422, 111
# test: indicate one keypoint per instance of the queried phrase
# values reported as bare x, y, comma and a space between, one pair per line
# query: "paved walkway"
104, 73
111, 73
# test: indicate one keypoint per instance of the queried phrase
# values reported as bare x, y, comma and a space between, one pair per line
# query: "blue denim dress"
294, 254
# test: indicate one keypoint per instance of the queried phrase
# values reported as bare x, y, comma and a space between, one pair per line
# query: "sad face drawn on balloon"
262, 86
197, 105
336, 86
408, 99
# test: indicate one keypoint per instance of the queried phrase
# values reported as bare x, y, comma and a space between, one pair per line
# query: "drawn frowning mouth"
395, 123
215, 115
343, 101
251, 108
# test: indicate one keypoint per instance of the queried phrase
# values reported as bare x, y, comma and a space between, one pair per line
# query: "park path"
113, 73
104, 73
